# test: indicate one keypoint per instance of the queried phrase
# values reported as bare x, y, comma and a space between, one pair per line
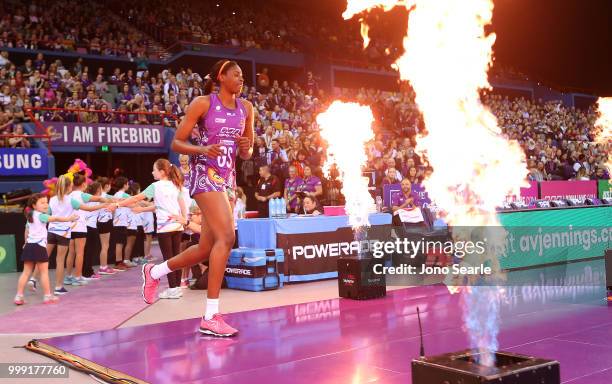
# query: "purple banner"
528, 194
421, 198
116, 135
573, 189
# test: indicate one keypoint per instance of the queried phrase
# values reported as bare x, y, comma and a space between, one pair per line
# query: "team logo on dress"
220, 120
215, 178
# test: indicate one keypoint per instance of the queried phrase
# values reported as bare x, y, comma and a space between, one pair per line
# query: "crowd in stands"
71, 26
557, 140
115, 28
247, 24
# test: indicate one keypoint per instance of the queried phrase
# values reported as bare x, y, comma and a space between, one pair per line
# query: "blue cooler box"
252, 269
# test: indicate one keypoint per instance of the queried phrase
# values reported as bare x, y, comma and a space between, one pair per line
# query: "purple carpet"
344, 341
101, 304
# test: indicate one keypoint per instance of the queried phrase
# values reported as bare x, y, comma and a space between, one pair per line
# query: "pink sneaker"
149, 284
95, 276
106, 271
18, 300
217, 327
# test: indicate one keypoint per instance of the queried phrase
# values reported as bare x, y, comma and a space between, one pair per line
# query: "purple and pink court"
349, 341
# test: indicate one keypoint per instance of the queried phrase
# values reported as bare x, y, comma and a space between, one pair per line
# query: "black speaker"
357, 278
464, 368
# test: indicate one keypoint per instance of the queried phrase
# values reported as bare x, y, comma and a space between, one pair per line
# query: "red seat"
251, 214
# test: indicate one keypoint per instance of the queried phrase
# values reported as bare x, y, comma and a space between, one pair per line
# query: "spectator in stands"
278, 161
310, 206
405, 199
19, 142
582, 174
268, 187
263, 81
101, 86
260, 152
293, 184
391, 177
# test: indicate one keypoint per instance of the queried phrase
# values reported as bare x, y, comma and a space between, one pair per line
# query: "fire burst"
447, 57
347, 127
603, 125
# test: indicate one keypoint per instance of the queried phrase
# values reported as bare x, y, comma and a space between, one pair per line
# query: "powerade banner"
557, 235
421, 198
314, 256
23, 162
573, 189
604, 189
116, 135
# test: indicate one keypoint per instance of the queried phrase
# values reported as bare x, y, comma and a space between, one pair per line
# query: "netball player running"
225, 123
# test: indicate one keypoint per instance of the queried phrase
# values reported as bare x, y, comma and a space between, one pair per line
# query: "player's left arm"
245, 144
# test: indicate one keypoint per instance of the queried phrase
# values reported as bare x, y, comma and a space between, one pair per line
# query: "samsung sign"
23, 162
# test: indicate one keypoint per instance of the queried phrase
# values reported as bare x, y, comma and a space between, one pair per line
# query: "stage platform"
345, 341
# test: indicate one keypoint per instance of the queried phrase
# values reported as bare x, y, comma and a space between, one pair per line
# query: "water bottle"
276, 207
271, 206
379, 204
282, 211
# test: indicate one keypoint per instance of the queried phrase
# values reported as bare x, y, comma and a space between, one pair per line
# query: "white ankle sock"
160, 270
212, 307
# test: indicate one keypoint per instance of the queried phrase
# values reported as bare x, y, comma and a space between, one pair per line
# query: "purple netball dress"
222, 126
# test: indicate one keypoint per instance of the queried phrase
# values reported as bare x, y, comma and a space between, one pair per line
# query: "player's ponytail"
220, 68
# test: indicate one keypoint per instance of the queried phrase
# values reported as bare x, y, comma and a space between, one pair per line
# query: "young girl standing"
76, 251
34, 252
169, 201
132, 230
61, 205
92, 242
105, 226
120, 224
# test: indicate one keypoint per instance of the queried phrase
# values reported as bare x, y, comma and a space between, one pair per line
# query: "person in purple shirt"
405, 199
292, 185
311, 184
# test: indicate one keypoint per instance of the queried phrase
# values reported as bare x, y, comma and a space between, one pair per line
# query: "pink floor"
103, 304
345, 341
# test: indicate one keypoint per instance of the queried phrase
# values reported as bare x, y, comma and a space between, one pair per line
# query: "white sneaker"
178, 292
129, 263
171, 293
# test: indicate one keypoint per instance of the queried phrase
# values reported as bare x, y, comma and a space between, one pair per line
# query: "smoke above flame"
603, 126
347, 127
447, 55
